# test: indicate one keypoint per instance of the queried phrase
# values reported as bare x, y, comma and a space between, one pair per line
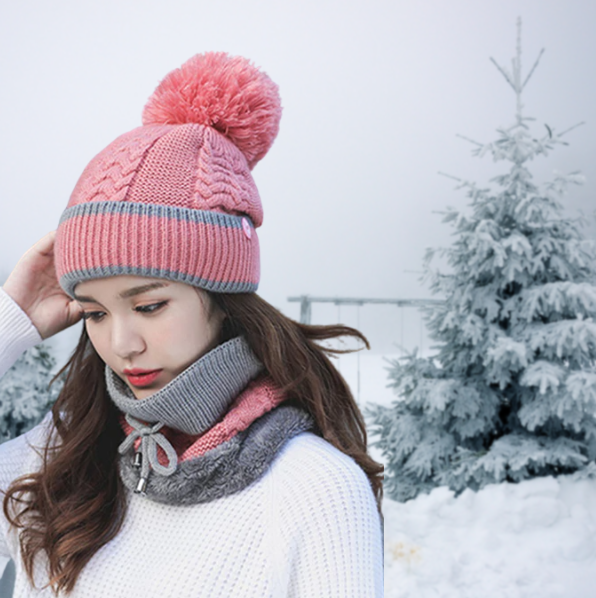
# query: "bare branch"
470, 140
518, 23
515, 67
449, 176
533, 68
583, 122
504, 73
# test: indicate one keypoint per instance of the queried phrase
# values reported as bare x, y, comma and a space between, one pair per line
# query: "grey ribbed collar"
198, 397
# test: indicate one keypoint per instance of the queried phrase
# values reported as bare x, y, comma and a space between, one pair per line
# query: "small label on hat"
246, 228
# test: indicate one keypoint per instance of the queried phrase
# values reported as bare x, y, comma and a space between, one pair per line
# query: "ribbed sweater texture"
307, 528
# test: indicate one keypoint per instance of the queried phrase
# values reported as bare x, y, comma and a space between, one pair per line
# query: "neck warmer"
206, 434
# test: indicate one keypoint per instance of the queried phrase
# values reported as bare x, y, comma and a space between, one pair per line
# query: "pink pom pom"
225, 92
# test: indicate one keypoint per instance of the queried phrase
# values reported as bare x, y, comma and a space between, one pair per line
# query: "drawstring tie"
146, 457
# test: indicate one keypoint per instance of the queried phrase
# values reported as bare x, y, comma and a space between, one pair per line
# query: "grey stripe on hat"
95, 208
198, 397
70, 280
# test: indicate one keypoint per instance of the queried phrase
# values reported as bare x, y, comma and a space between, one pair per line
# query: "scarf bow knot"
151, 438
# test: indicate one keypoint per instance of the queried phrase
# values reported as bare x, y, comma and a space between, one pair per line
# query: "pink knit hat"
175, 198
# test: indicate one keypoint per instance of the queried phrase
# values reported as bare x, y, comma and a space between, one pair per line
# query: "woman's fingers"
45, 246
34, 287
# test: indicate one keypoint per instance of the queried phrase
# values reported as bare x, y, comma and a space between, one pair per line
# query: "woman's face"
148, 324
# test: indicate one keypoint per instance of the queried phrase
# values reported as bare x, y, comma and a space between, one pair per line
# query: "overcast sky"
373, 92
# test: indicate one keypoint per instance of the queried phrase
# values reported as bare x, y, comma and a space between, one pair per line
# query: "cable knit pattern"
223, 179
109, 175
186, 166
308, 528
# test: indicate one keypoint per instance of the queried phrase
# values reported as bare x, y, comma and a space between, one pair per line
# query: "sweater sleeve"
330, 524
17, 332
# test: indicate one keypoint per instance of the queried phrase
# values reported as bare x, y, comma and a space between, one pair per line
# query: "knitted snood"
231, 436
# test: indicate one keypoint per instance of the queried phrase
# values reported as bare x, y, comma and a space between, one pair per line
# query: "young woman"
203, 444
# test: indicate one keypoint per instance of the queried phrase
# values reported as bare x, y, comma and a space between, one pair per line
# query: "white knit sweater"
308, 528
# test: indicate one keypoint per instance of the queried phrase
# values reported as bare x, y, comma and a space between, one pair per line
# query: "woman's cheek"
174, 340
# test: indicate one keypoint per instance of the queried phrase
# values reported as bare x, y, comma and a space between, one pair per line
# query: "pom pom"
225, 92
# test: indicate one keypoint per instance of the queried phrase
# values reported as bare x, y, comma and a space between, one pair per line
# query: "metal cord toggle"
150, 439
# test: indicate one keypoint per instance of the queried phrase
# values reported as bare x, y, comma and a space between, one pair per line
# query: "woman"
203, 444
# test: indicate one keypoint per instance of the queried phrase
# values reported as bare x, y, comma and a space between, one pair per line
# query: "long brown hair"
76, 502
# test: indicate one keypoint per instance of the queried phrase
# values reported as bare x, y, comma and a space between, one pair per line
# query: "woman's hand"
34, 287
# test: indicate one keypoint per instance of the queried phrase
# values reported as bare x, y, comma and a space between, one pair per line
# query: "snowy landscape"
535, 539
489, 443
527, 540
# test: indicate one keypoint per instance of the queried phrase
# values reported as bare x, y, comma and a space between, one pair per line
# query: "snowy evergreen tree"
24, 393
510, 392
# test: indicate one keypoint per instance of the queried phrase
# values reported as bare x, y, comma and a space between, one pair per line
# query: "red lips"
140, 378
137, 371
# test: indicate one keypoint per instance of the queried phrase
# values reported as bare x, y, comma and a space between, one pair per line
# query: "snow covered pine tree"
511, 392
24, 394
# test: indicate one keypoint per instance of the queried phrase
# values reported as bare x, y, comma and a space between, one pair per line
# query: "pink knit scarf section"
259, 397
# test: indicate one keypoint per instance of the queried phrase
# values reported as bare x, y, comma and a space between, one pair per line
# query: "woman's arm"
33, 307
17, 334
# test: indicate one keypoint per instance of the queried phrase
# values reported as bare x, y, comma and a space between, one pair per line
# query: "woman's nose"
126, 339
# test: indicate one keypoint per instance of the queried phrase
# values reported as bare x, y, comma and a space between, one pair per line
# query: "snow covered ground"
536, 539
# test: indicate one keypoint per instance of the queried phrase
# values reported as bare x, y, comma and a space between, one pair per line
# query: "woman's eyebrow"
142, 289
128, 293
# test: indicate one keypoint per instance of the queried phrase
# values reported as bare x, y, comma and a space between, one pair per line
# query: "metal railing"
306, 302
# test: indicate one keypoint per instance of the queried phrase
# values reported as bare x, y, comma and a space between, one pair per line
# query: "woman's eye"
147, 309
94, 316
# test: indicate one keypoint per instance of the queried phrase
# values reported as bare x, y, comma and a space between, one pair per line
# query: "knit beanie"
175, 198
